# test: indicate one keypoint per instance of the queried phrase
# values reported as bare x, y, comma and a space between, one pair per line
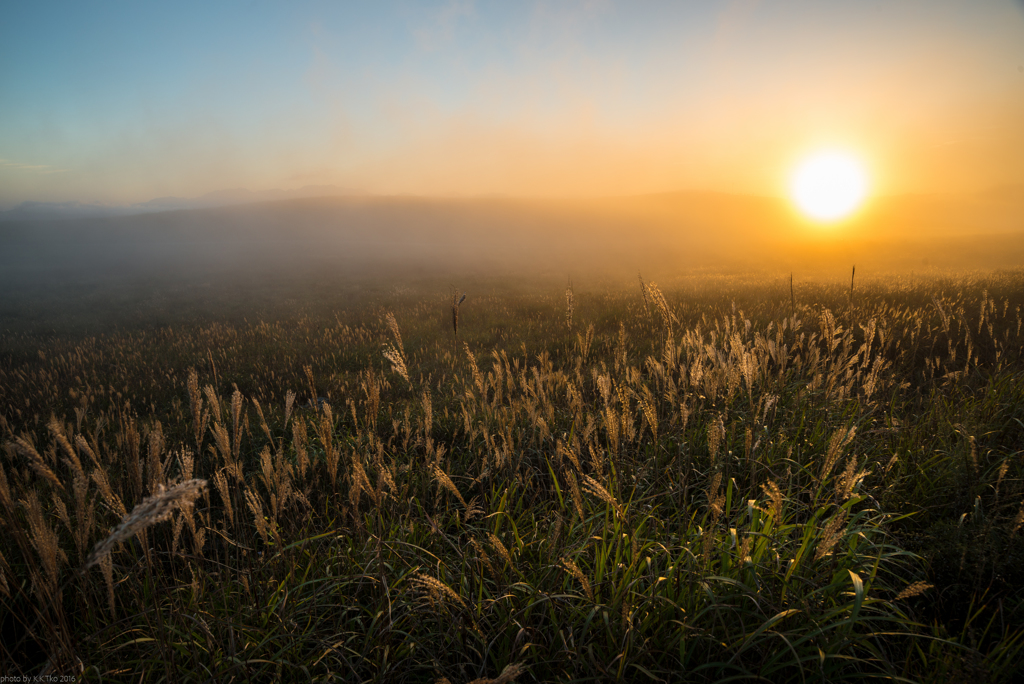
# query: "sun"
829, 185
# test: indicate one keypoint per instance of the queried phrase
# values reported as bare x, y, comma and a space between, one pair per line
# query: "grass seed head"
152, 510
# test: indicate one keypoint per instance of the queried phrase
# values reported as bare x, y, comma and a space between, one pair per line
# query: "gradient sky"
120, 102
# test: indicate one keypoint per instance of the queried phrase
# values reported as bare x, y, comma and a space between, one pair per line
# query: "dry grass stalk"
256, 506
507, 675
113, 501
397, 359
289, 404
436, 589
577, 498
716, 435
555, 536
214, 401
84, 446
484, 558
44, 540
831, 535
1018, 521
595, 488
499, 547
647, 405
392, 324
847, 482
913, 589
456, 303
570, 305
152, 510
574, 570
221, 483
775, 495
35, 461
836, 445
446, 482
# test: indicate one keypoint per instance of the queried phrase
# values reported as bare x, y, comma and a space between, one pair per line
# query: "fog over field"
596, 240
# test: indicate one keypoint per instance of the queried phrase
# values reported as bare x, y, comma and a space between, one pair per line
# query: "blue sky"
125, 101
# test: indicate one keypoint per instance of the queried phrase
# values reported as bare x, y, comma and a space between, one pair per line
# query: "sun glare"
828, 186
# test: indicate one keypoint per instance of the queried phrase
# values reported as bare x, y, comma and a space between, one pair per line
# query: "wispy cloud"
35, 168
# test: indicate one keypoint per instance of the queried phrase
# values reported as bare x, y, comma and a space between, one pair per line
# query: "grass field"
716, 479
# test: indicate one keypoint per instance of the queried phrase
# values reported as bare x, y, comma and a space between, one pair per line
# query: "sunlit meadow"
701, 480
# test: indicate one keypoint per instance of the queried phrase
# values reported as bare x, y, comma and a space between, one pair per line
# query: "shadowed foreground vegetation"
705, 481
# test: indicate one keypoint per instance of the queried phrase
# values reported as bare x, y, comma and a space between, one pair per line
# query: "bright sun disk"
829, 185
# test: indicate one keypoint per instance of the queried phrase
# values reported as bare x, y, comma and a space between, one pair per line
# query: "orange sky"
541, 98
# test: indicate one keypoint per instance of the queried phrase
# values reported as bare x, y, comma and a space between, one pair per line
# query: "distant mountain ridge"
46, 211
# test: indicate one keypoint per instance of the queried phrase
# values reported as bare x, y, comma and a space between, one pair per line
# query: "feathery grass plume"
661, 305
575, 571
584, 342
392, 325
44, 540
577, 498
35, 461
359, 483
214, 401
473, 510
456, 304
888, 466
299, 440
236, 423
1018, 521
289, 404
83, 445
155, 467
435, 589
263, 421
308, 370
775, 495
256, 506
5, 589
499, 547
446, 482
836, 444
555, 536
847, 482
594, 487
570, 305
57, 431
200, 416
716, 435
647, 404
562, 450
507, 675
112, 500
325, 431
221, 483
716, 501
6, 502
152, 510
397, 359
831, 535
484, 558
643, 291
913, 589
478, 378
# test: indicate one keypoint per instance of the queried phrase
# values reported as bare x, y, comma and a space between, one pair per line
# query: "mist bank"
407, 237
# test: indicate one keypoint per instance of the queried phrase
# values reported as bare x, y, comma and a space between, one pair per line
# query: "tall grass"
711, 479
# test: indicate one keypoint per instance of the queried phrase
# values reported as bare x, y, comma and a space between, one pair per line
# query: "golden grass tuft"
574, 570
152, 510
913, 589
